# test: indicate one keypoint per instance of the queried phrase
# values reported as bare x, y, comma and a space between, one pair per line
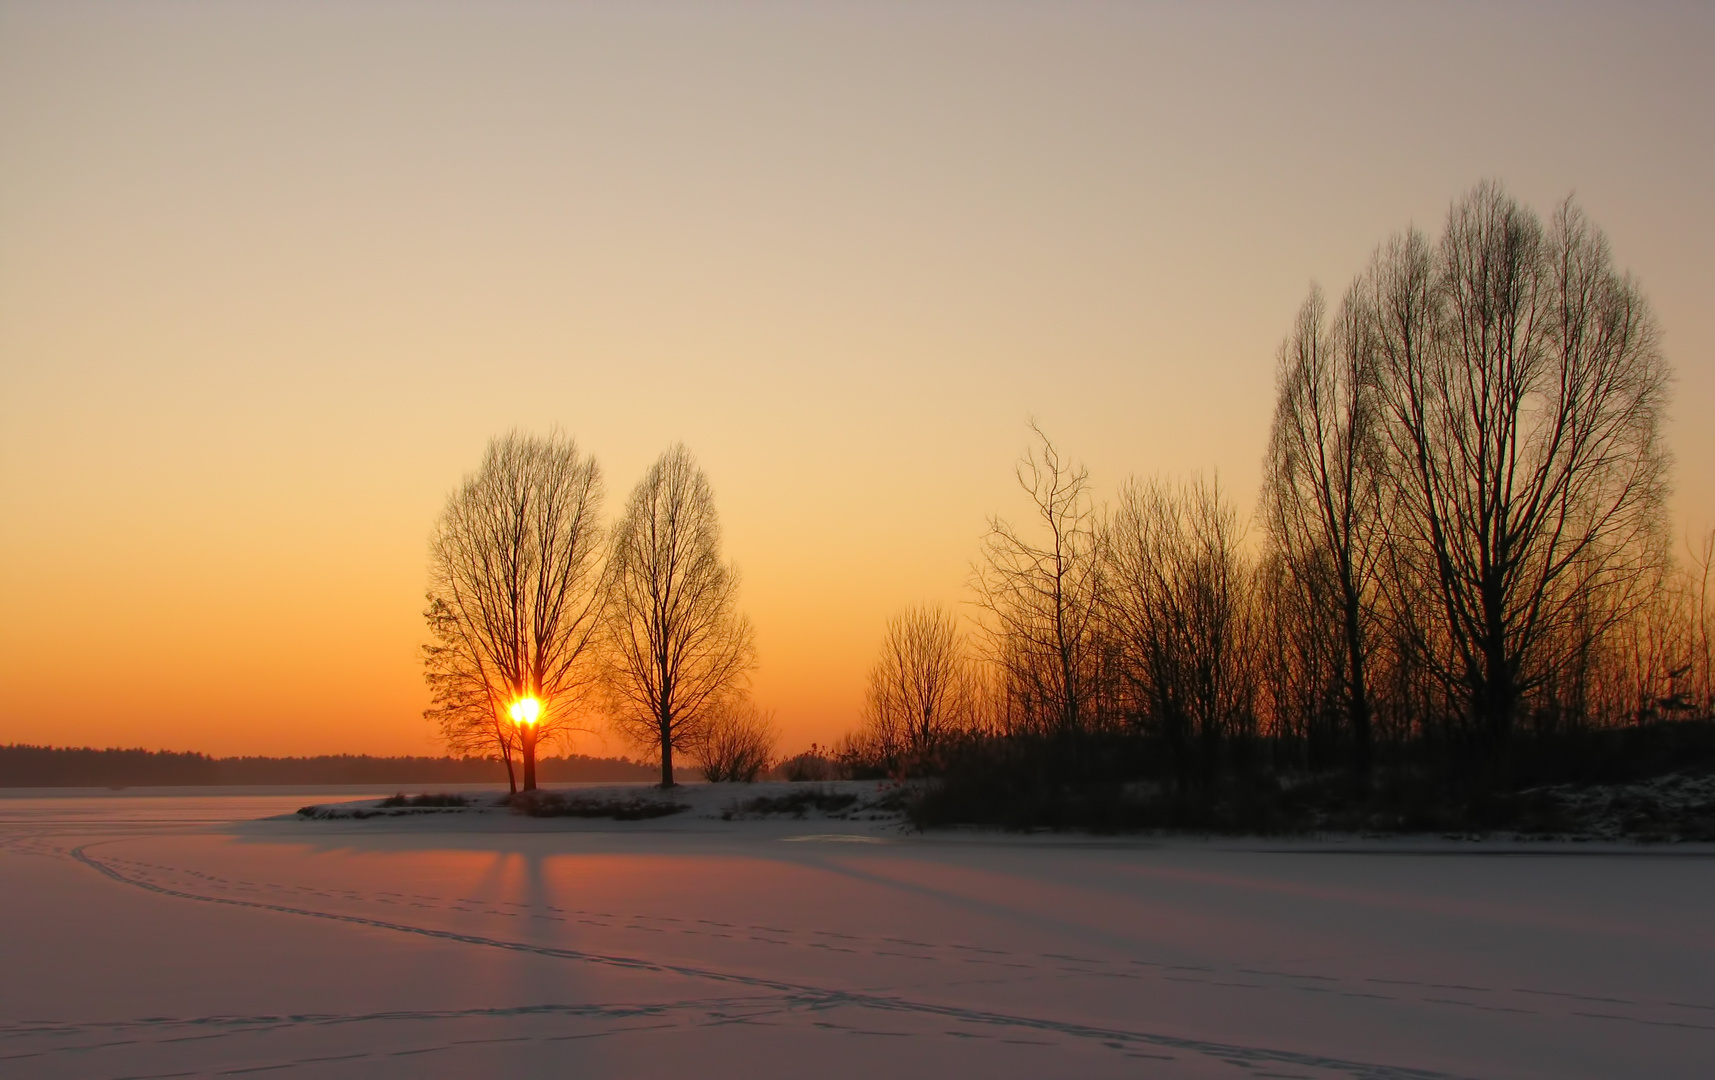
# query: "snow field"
145, 937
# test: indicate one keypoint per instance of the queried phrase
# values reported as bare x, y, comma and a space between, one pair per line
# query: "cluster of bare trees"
924, 689
1092, 621
1462, 537
1178, 605
1139, 617
1467, 483
736, 743
541, 617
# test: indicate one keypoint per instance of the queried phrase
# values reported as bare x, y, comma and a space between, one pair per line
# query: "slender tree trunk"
665, 707
1497, 695
511, 776
528, 738
1358, 701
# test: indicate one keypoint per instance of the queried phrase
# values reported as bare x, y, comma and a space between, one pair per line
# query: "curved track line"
807, 995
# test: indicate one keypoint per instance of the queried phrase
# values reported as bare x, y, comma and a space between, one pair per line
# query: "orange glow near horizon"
272, 275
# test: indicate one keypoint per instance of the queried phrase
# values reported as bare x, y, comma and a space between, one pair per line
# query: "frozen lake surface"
175, 935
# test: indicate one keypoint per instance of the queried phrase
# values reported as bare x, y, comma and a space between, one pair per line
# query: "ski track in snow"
786, 997
149, 876
753, 971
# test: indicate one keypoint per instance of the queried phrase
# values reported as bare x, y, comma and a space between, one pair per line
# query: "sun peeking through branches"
515, 598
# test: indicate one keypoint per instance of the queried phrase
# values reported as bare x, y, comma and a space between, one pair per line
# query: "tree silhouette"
677, 647
1525, 392
515, 598
921, 688
1042, 595
1322, 499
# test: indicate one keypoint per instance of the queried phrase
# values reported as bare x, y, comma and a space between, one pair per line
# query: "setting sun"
526, 710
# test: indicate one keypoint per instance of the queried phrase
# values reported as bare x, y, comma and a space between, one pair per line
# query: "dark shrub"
796, 803
628, 808
424, 800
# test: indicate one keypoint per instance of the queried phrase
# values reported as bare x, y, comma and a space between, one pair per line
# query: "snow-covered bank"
486, 944
1675, 807
855, 802
1676, 811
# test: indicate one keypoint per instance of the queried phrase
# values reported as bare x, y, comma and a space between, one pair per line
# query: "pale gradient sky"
271, 275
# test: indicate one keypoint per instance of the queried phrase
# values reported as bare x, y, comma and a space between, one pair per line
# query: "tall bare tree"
1525, 393
1322, 499
922, 687
1177, 601
515, 597
677, 645
1043, 593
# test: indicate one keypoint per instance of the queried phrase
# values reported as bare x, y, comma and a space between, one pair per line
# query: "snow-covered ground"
177, 935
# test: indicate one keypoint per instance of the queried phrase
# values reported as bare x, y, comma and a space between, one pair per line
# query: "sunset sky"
272, 274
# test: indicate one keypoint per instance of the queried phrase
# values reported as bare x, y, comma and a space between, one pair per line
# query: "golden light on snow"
526, 710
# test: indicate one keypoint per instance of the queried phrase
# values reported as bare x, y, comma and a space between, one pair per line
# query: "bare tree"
1177, 602
678, 646
1652, 655
1525, 394
921, 688
737, 743
1322, 499
465, 706
1043, 597
1702, 648
515, 597
1300, 689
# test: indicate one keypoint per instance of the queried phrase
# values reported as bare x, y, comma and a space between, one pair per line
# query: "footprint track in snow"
877, 946
1023, 1029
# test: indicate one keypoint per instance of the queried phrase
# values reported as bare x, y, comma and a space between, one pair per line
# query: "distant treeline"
53, 766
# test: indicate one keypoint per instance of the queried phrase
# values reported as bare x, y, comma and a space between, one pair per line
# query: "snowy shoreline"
874, 809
